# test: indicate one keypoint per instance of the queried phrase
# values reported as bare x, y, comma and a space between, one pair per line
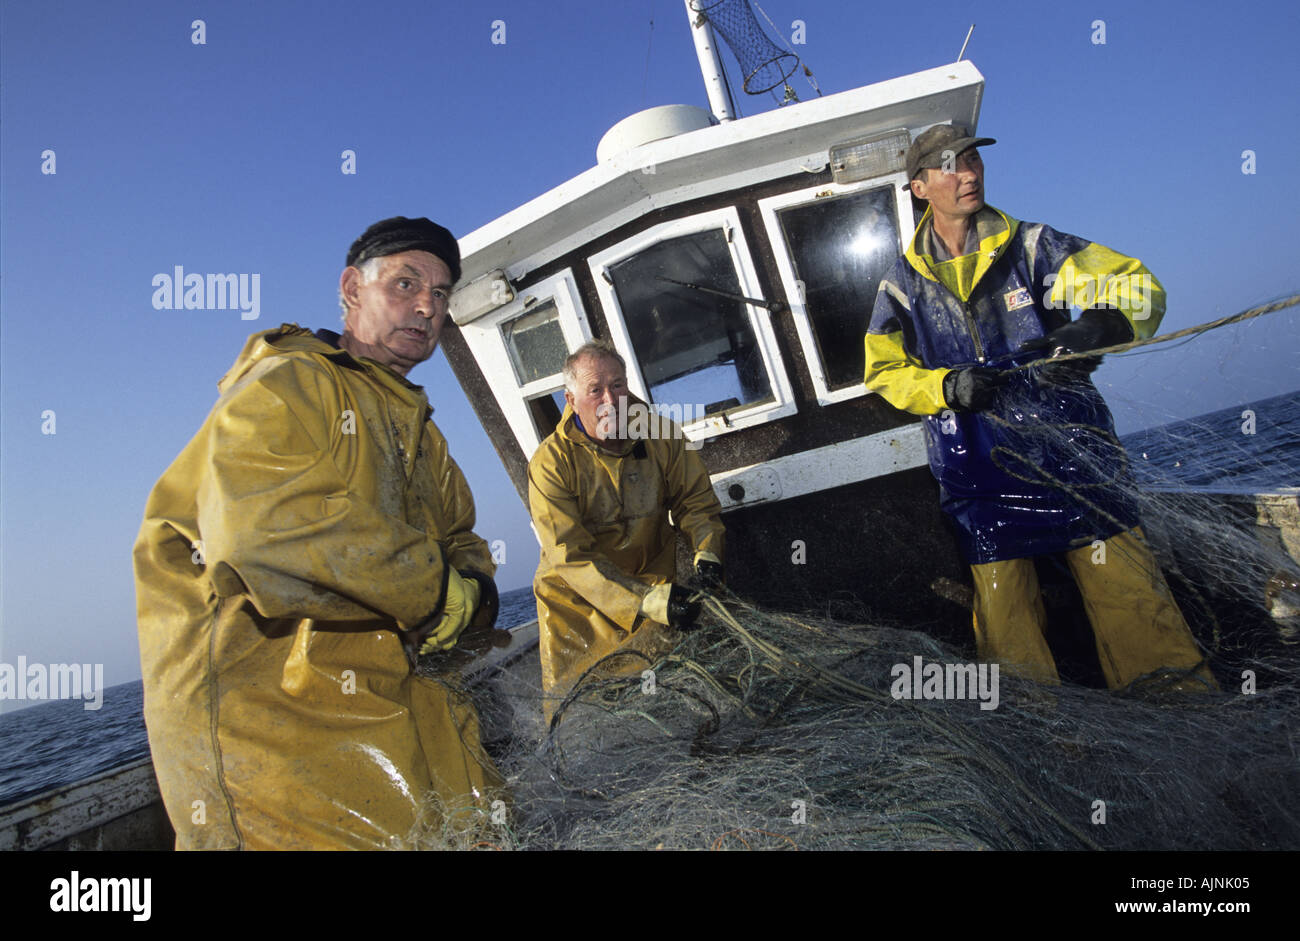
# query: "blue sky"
226, 156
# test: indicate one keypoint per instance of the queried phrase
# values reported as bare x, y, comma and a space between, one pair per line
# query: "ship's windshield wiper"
774, 306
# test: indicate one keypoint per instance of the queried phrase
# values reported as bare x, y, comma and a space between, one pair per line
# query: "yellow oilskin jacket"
315, 511
606, 540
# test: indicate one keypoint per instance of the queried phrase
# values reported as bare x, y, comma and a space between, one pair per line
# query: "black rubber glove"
708, 574
682, 611
1096, 327
972, 389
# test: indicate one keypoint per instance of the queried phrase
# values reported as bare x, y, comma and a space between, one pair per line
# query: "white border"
727, 219
785, 264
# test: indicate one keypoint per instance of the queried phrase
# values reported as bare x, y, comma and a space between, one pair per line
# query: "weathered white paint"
834, 465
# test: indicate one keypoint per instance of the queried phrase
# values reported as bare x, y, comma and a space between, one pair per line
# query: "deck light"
868, 157
480, 296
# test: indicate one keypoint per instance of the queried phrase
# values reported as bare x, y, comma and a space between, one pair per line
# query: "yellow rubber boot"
1009, 619
1135, 620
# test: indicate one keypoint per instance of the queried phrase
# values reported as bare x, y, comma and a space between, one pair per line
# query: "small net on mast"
764, 64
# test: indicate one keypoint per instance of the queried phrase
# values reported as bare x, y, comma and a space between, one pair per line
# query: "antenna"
963, 45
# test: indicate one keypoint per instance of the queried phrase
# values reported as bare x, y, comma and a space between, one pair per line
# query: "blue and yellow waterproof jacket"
1040, 471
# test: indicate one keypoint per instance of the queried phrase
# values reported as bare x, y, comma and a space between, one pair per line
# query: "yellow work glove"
672, 605
457, 611
655, 603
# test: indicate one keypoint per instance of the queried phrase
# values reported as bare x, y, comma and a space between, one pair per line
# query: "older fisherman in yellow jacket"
600, 499
311, 537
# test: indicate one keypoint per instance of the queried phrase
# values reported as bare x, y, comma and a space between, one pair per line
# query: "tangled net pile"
762, 731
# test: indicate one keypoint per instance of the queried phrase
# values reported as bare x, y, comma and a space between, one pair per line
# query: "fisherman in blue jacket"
1026, 459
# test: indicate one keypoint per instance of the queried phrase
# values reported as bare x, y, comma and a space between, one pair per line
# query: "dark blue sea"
1246, 448
1254, 447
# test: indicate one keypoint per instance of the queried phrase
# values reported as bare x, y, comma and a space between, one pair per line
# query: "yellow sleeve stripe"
1096, 275
901, 379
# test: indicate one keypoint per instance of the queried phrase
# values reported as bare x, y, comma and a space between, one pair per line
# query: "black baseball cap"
928, 150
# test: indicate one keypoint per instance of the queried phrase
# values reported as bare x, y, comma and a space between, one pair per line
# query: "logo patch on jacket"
1018, 298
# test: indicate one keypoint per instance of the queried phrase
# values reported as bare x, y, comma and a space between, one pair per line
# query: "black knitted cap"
400, 234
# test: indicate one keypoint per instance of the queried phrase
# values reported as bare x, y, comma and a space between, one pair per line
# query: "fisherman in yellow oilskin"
600, 496
1024, 451
305, 544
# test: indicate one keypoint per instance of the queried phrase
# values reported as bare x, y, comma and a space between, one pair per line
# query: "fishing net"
760, 731
764, 65
1216, 495
1229, 550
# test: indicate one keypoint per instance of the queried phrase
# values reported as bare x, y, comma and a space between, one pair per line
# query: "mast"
706, 50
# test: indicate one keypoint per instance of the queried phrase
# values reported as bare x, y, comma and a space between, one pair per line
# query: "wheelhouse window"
522, 346
692, 335
545, 410
535, 342
839, 242
680, 304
